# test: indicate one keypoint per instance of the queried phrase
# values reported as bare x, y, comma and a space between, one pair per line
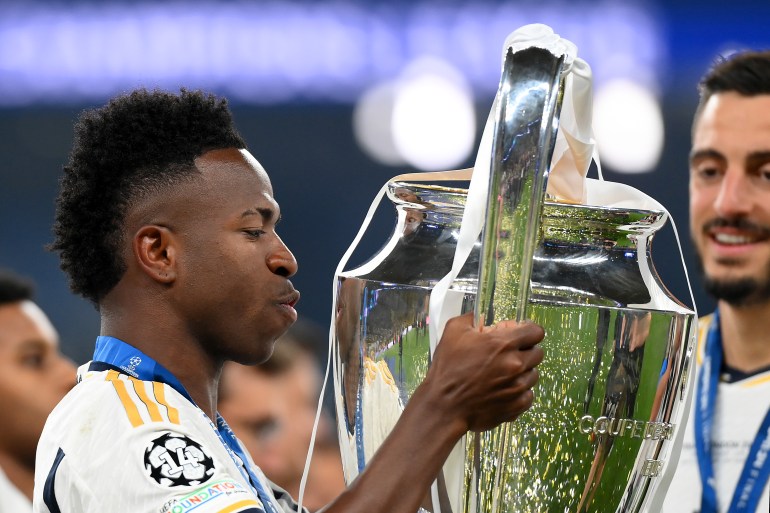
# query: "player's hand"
481, 378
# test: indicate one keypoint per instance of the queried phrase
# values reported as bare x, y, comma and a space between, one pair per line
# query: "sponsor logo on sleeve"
176, 460
211, 492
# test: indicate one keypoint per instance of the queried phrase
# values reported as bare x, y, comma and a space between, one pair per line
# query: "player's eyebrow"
266, 213
757, 158
705, 154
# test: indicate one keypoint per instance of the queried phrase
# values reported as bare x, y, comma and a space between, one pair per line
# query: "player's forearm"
398, 478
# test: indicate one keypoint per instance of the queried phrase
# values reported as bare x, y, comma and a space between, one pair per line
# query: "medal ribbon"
756, 470
127, 359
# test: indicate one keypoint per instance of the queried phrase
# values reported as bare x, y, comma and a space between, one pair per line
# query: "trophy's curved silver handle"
526, 121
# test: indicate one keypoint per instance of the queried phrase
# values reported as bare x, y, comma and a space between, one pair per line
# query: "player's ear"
154, 249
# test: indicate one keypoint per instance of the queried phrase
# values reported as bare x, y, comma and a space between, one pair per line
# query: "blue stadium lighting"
280, 51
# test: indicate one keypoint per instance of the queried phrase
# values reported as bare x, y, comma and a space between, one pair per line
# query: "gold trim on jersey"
240, 504
160, 395
753, 381
128, 404
152, 407
141, 406
704, 323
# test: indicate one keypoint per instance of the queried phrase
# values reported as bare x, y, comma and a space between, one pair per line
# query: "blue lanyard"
756, 470
131, 361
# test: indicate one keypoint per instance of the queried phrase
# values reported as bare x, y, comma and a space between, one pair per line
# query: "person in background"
271, 408
724, 465
34, 376
167, 223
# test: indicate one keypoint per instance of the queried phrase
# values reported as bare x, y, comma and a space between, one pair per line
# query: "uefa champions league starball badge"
176, 460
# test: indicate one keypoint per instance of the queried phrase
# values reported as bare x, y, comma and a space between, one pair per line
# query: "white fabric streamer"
573, 150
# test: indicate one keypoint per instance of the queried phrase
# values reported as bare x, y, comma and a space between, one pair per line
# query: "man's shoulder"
115, 438
704, 321
107, 406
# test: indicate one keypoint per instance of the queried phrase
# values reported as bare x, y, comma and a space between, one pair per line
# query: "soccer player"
34, 376
168, 224
724, 465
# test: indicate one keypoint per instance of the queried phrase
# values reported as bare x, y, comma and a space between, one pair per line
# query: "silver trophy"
613, 384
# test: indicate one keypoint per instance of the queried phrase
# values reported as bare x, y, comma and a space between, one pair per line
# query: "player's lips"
289, 299
734, 238
736, 232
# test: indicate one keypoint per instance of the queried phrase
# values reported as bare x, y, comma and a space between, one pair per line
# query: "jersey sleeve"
131, 446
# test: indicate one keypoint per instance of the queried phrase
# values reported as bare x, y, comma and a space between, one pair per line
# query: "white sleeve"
94, 457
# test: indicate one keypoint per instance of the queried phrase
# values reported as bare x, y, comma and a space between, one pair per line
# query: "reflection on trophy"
612, 385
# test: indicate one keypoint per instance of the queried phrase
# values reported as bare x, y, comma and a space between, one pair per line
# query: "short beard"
739, 292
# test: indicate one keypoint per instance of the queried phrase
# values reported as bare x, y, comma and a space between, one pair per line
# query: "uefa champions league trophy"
602, 433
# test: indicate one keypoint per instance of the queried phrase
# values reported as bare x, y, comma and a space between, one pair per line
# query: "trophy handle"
526, 121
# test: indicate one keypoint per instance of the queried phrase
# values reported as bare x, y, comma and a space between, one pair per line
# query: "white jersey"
119, 444
11, 498
738, 413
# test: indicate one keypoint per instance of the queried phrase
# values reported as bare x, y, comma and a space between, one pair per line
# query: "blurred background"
336, 97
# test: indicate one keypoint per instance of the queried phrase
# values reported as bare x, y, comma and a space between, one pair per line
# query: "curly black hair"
14, 288
139, 144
